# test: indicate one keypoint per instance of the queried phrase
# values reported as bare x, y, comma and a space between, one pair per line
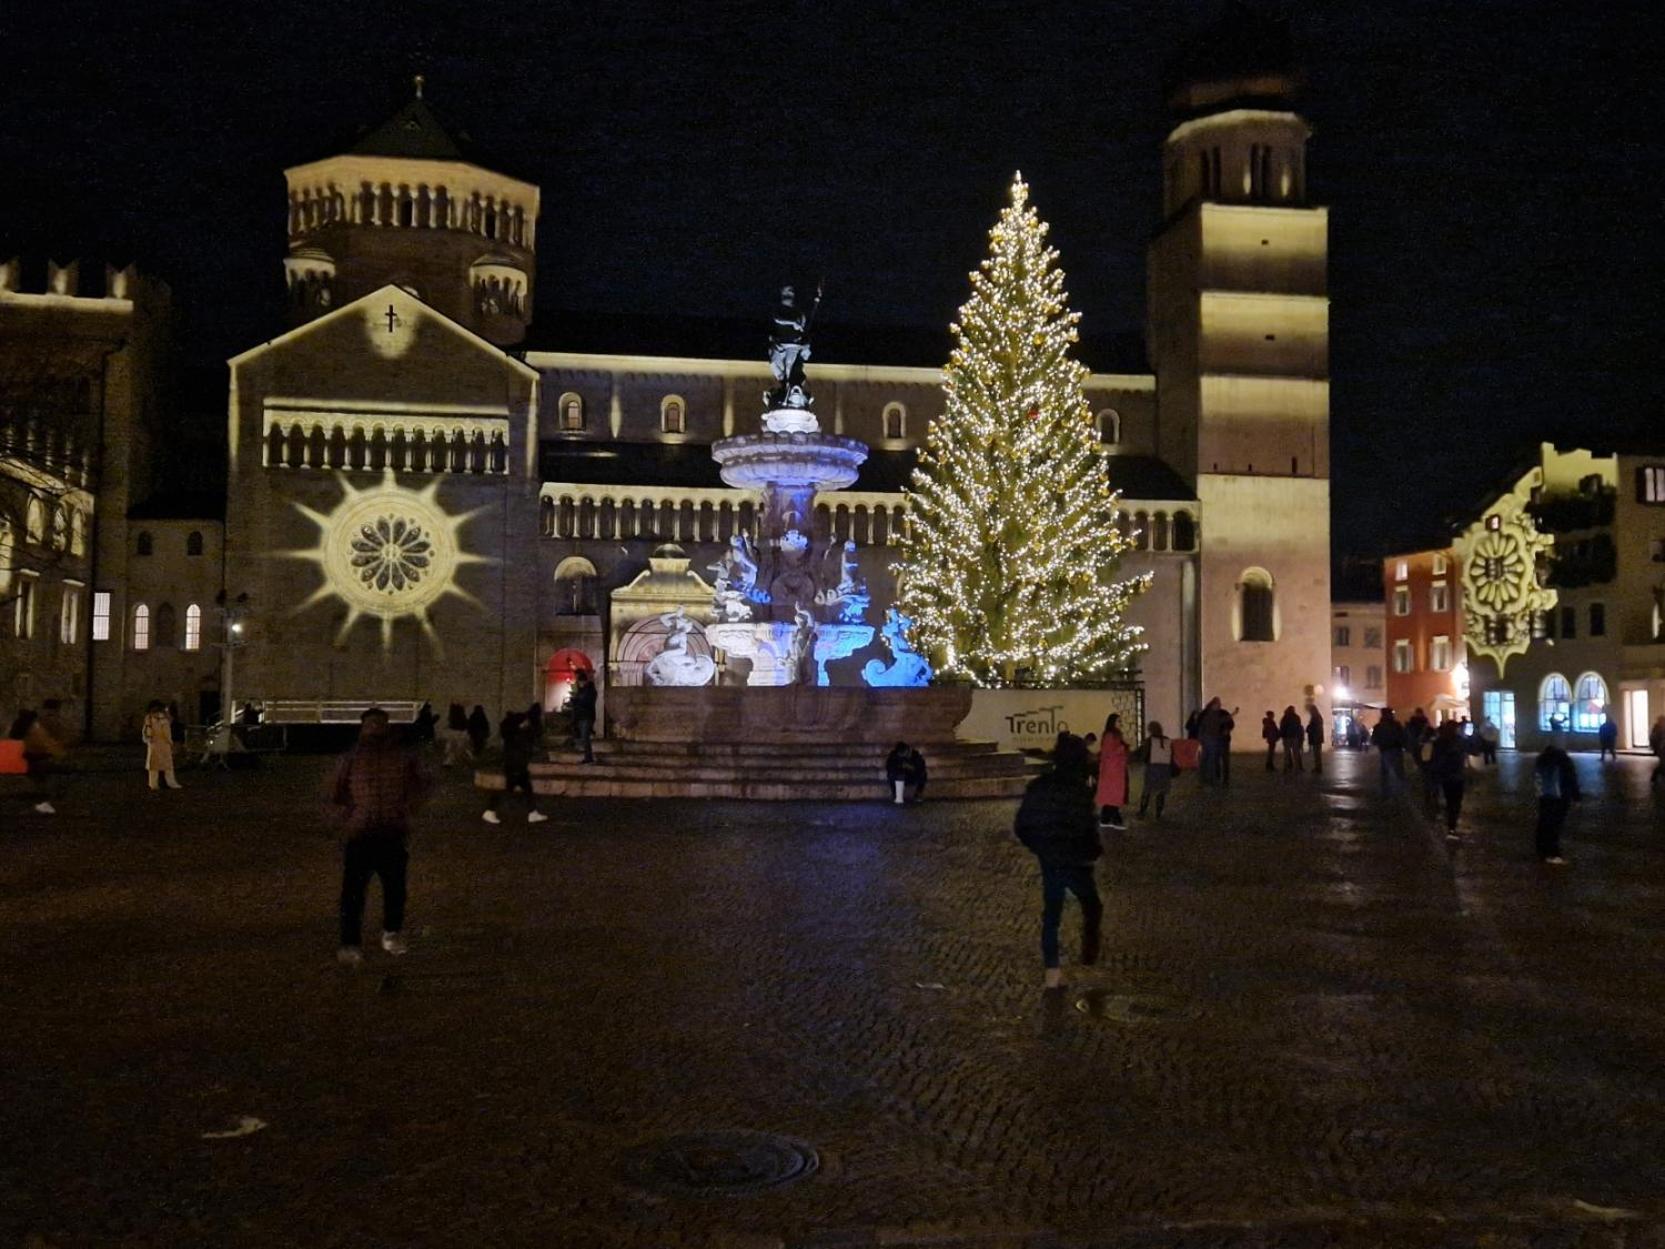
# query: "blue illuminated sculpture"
907, 667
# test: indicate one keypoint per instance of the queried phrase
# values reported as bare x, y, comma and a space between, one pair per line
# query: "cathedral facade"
419, 508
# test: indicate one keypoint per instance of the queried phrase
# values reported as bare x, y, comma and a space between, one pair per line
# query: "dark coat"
1290, 728
1448, 759
1058, 822
1388, 735
1556, 776
896, 766
582, 701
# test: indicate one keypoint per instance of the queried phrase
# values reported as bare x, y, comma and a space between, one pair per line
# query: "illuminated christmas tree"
1008, 568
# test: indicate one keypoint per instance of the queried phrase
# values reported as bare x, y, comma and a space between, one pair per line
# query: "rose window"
391, 553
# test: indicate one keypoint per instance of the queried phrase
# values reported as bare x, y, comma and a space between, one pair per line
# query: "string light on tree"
1008, 565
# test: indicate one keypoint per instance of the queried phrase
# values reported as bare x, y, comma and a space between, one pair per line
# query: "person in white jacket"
158, 735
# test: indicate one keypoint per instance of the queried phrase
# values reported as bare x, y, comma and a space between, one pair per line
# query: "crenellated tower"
406, 206
1239, 338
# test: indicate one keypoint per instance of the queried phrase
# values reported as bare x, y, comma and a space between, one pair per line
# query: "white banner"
1032, 719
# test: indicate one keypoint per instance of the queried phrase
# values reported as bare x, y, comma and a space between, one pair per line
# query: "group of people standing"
1294, 736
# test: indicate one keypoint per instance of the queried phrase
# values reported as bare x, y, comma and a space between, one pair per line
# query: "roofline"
1233, 116
718, 367
382, 292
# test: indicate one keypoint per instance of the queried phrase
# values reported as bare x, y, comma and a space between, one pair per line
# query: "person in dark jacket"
581, 702
1272, 735
378, 785
1291, 730
422, 728
1607, 736
519, 744
1315, 739
1388, 737
1447, 767
479, 730
1557, 783
1056, 821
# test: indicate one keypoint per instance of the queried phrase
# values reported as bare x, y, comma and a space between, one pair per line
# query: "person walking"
1293, 732
1272, 735
41, 746
519, 744
158, 737
1608, 737
1315, 739
582, 702
1055, 821
1228, 725
1388, 737
1656, 743
1557, 784
479, 730
1490, 735
1448, 768
1112, 774
378, 786
1158, 755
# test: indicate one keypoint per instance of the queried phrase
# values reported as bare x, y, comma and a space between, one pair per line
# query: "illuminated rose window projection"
388, 552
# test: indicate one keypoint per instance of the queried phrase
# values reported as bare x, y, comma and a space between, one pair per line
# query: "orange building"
1426, 664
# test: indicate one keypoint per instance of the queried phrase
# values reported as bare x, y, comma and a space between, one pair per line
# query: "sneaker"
45, 808
1555, 860
536, 817
393, 943
490, 817
349, 956
1451, 835
1120, 828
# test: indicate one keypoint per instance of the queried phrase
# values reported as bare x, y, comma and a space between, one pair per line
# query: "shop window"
1589, 703
1554, 703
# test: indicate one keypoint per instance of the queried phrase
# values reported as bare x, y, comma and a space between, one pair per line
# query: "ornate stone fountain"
776, 606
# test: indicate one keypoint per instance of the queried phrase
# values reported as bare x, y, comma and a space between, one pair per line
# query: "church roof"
413, 133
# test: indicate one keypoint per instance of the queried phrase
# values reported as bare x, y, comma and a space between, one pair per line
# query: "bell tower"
1239, 337
406, 206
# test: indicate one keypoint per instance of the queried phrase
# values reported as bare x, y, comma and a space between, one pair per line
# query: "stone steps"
582, 782
770, 772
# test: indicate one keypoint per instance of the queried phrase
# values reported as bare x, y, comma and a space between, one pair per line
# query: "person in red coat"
1112, 774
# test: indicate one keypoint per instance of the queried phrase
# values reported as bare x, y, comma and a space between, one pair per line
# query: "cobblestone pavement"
1315, 1025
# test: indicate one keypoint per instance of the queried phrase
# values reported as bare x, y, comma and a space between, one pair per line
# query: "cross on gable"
392, 318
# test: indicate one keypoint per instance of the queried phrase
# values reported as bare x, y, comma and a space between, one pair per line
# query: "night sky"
1493, 170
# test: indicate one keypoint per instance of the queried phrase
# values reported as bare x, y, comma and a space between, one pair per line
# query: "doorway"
1636, 716
1499, 707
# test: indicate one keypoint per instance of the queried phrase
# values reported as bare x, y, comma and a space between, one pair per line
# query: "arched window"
673, 418
193, 628
1185, 532
895, 421
141, 628
1554, 703
143, 545
166, 624
193, 542
572, 412
1110, 426
575, 584
1589, 703
1257, 607
35, 521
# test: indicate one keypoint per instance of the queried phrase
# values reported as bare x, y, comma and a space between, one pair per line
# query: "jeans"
1552, 813
1453, 802
1209, 764
1055, 881
1393, 771
518, 778
584, 730
375, 854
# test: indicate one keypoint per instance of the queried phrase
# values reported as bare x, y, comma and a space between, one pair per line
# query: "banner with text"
1032, 719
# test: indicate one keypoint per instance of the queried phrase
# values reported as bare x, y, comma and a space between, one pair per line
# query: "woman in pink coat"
1112, 774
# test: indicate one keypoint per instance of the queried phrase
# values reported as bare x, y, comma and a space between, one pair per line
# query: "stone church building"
425, 503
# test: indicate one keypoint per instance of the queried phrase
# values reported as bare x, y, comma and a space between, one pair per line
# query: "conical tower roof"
413, 133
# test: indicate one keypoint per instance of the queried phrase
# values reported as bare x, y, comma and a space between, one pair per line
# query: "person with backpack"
1447, 767
1055, 821
1158, 756
1557, 785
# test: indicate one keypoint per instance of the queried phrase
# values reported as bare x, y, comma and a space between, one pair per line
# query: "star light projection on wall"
387, 552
